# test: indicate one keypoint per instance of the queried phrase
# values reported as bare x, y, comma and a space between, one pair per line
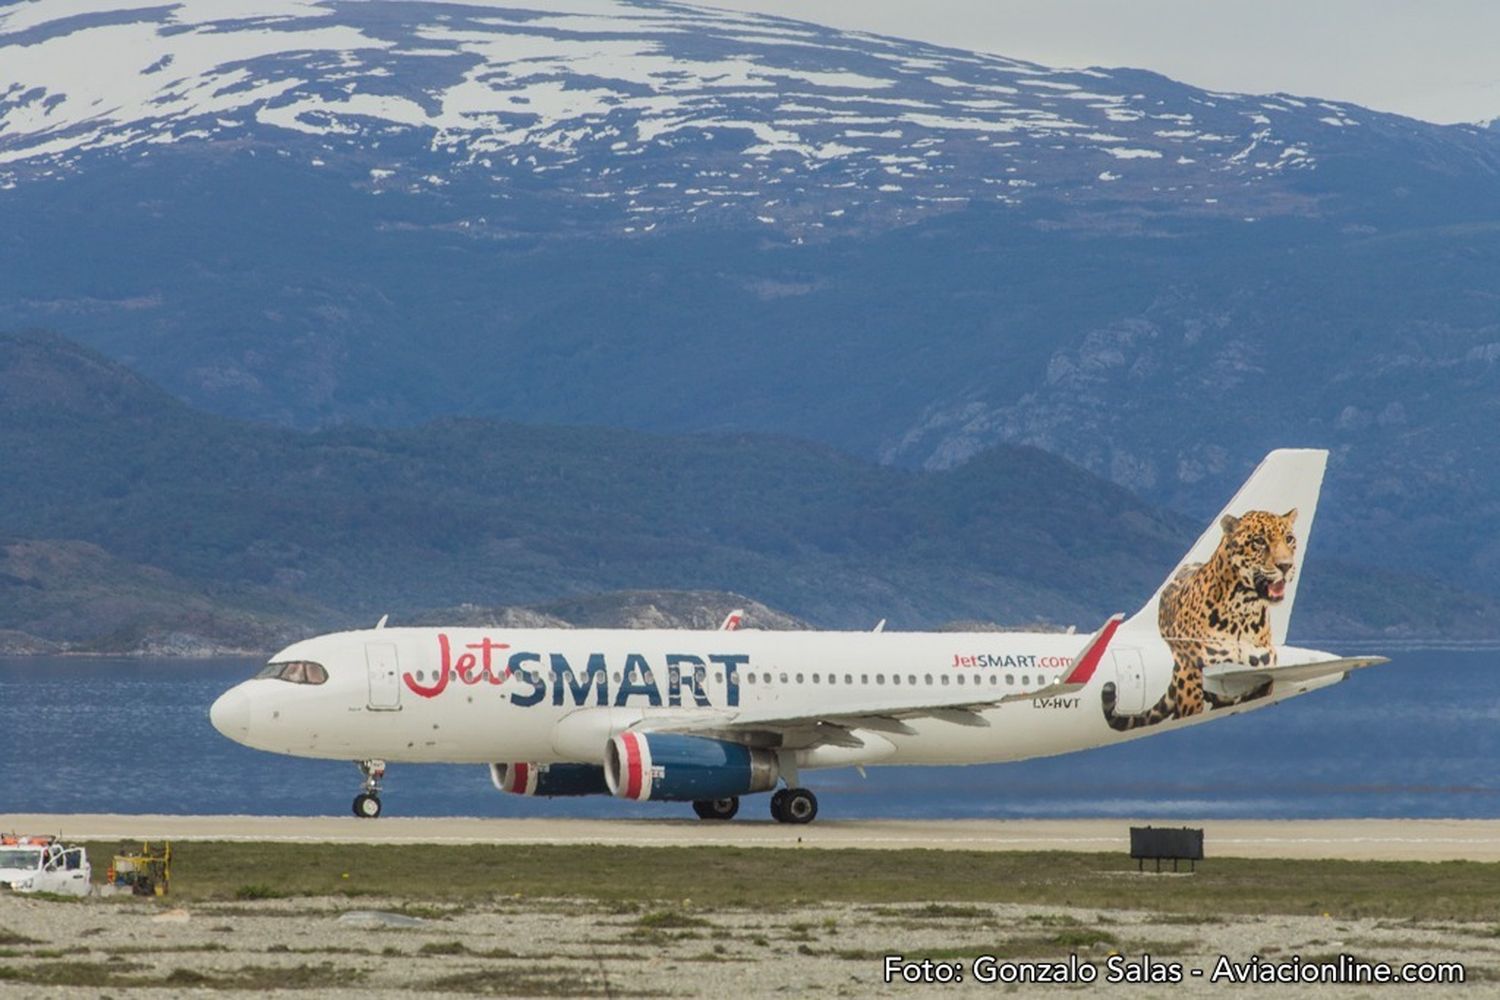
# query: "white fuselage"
465, 695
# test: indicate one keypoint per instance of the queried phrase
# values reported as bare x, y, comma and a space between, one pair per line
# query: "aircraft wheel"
366, 806
717, 808
778, 800
800, 806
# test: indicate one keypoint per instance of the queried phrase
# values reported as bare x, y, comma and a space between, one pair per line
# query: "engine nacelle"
666, 767
549, 779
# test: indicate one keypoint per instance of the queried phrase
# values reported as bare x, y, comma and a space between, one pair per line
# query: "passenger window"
945, 680
960, 678
929, 680
1010, 679
783, 678
911, 678
815, 678
848, 678
799, 678
765, 678
880, 678
895, 678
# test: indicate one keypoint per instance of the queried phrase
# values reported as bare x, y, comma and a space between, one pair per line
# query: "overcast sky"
1432, 59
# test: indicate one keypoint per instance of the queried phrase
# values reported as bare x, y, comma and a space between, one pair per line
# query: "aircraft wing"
887, 713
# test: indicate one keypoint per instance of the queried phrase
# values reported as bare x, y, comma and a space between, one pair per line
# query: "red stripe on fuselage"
1091, 656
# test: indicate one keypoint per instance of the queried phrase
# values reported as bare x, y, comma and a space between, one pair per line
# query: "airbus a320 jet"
710, 716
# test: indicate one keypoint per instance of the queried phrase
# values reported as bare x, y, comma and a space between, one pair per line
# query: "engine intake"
666, 767
549, 779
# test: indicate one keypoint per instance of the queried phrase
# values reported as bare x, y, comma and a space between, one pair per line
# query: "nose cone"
230, 714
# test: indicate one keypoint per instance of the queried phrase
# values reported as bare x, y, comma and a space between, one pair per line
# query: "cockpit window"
296, 672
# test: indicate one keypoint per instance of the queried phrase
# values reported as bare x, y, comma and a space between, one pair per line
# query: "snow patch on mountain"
583, 88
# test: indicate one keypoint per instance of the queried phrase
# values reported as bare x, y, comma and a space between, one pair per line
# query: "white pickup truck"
41, 864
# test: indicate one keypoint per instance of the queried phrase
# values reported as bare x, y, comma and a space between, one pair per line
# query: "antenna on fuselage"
879, 626
383, 620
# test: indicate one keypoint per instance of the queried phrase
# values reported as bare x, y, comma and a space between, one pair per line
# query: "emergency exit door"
385, 677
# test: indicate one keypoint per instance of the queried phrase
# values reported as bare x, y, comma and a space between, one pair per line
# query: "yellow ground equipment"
147, 872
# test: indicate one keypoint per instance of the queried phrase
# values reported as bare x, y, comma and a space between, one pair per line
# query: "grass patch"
93, 974
9, 937
118, 974
670, 920
766, 878
257, 890
933, 911
438, 948
543, 982
260, 977
443, 948
161, 949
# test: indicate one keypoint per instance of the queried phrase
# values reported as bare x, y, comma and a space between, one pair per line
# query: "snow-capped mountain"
659, 111
670, 217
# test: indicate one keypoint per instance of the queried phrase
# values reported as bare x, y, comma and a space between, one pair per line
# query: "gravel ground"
510, 946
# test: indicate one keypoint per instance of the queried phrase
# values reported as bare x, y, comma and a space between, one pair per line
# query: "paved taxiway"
1355, 839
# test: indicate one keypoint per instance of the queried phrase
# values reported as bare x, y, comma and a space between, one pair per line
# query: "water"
1416, 737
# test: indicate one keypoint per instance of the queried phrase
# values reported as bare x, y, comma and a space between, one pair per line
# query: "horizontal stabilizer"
1229, 673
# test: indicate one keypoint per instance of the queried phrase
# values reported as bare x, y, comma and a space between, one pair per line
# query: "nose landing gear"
794, 805
367, 802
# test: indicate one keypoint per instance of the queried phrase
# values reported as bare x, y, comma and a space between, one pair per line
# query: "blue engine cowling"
666, 767
549, 779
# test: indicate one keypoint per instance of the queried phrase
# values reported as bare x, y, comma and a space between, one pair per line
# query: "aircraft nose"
230, 713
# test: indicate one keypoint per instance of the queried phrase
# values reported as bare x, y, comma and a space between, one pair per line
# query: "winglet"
1083, 666
732, 620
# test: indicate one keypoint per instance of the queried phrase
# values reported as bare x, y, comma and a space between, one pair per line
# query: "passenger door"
385, 677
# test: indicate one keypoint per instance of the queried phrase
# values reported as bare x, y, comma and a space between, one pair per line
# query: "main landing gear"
794, 805
717, 808
367, 802
788, 805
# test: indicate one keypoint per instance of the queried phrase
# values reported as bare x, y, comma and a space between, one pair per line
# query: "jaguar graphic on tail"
1219, 610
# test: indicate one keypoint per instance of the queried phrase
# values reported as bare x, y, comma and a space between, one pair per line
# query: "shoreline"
1412, 645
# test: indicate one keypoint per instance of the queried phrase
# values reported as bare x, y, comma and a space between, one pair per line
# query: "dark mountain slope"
348, 523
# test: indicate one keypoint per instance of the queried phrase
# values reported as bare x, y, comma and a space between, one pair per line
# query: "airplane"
709, 716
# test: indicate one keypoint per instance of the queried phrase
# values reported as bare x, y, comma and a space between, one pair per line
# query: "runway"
1352, 839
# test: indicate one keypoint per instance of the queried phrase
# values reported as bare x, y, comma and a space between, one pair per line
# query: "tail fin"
1285, 486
